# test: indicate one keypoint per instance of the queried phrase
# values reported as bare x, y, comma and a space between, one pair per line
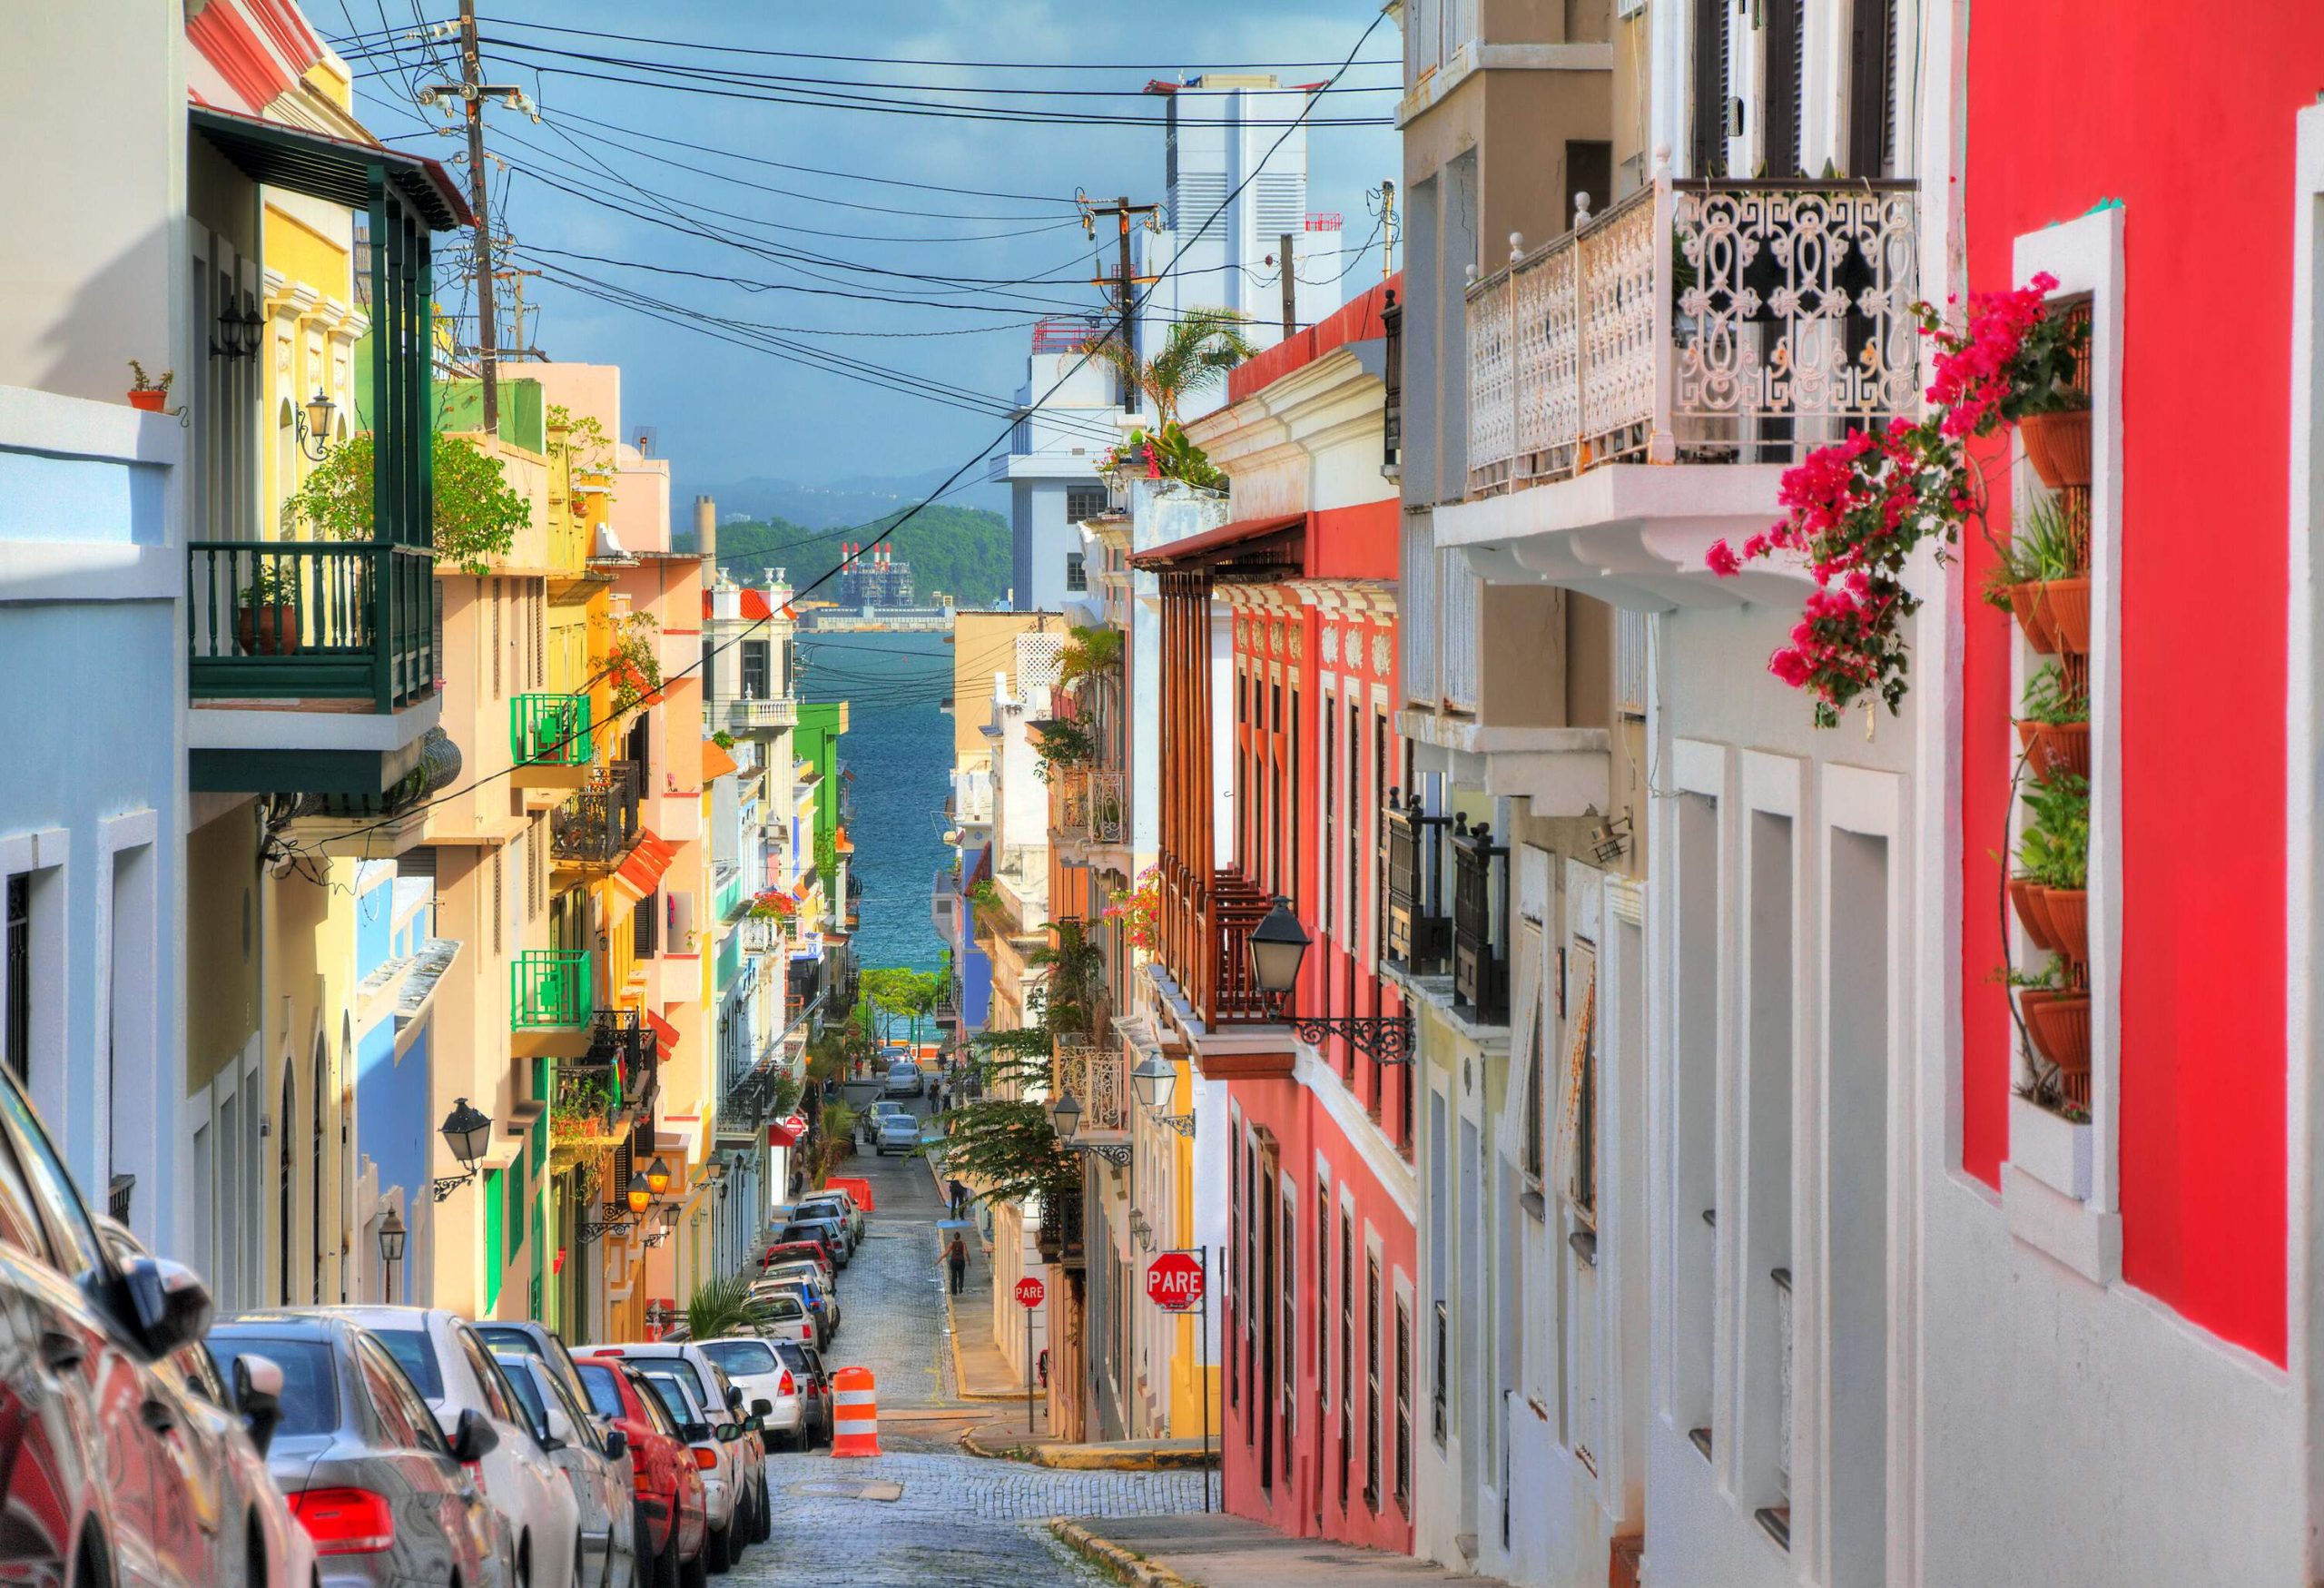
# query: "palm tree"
1197, 351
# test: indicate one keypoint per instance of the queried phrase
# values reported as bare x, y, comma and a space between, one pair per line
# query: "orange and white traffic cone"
856, 1413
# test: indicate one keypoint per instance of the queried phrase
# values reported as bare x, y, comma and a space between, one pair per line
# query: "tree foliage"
1197, 351
477, 512
723, 1307
897, 989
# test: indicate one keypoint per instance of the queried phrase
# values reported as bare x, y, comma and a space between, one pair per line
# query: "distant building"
872, 577
1067, 415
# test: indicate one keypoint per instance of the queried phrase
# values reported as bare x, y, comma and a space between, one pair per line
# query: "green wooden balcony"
310, 619
550, 730
549, 990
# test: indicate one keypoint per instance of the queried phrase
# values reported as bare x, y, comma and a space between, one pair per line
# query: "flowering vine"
1855, 510
1141, 911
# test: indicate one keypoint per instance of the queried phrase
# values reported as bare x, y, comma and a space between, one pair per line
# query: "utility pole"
1387, 228
1290, 288
1123, 282
472, 92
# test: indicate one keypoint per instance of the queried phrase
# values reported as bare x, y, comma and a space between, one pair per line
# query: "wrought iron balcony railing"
1070, 812
623, 1043
550, 730
548, 989
600, 824
317, 620
1480, 925
1059, 1238
1106, 817
1092, 1073
1717, 321
1418, 938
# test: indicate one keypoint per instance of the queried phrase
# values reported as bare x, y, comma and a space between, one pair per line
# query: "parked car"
831, 1213
724, 1404
904, 1080
813, 1251
227, 1430
671, 1523
93, 1470
825, 1232
456, 1376
814, 1389
759, 1373
713, 1456
823, 1299
839, 1205
383, 1497
895, 1133
596, 1466
535, 1340
803, 1291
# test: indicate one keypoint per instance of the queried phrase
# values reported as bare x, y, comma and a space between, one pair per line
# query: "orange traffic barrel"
856, 1413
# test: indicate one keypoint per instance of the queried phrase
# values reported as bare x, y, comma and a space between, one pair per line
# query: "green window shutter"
491, 1238
516, 1209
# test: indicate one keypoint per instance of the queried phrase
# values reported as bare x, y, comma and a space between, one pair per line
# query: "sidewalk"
1213, 1550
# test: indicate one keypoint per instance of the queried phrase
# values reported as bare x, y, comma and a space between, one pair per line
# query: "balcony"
1480, 925
1721, 329
1418, 939
1059, 1238
310, 663
550, 744
600, 824
1094, 1073
548, 1003
1204, 973
1105, 821
746, 714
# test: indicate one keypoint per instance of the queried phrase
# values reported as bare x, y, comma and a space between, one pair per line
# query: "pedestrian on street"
958, 1194
956, 1258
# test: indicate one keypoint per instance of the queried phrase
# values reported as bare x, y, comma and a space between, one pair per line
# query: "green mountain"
960, 551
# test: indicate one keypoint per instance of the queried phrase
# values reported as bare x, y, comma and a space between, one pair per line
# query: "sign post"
1175, 1281
1030, 1295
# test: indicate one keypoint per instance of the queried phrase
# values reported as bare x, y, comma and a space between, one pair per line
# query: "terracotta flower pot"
149, 400
2054, 748
2058, 447
270, 630
2060, 1024
2025, 606
2066, 604
2034, 913
2068, 912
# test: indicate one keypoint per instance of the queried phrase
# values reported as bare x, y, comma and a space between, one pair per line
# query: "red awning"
642, 872
665, 1033
1217, 545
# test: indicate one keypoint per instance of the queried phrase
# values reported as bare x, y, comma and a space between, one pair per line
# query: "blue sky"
727, 412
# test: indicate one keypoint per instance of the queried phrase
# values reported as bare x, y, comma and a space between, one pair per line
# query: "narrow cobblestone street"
925, 1512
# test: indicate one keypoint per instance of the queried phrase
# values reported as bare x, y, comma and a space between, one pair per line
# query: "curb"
1104, 1552
1083, 1458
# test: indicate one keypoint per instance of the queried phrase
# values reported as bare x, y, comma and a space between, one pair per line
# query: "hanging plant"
1855, 510
1141, 911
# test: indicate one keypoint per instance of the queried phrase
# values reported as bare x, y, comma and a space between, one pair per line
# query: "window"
1084, 502
286, 1177
1711, 76
1263, 1363
315, 1169
1872, 89
1234, 1270
20, 977
756, 675
1290, 1271
1577, 1088
1372, 1381
1076, 577
1787, 38
494, 599
1328, 862
1347, 1347
1403, 1407
498, 906
1322, 1305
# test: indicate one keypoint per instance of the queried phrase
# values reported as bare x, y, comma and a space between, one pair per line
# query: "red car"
672, 1523
792, 1250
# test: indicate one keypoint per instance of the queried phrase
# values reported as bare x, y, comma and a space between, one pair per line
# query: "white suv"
455, 1373
760, 1375
744, 1517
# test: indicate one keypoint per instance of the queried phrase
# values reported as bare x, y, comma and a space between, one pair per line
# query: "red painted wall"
2072, 102
1358, 319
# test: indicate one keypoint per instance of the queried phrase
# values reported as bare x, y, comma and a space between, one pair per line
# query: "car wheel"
718, 1549
667, 1567
92, 1565
694, 1573
604, 1576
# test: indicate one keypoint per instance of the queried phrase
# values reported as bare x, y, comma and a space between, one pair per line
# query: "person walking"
956, 1258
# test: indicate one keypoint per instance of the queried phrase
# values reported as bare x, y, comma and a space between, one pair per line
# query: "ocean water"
899, 750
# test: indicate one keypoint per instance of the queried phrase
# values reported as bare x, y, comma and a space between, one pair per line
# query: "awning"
336, 169
642, 872
665, 1033
1227, 544
715, 761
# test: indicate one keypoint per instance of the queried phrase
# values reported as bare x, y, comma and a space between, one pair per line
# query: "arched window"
283, 1159
315, 1169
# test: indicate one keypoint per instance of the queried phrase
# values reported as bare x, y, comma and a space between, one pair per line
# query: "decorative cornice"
1372, 598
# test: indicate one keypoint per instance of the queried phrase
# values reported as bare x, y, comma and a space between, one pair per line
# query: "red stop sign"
1031, 1291
1173, 1280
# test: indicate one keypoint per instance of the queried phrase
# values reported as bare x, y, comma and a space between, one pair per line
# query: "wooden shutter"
1872, 88
1711, 24
1786, 63
1574, 1087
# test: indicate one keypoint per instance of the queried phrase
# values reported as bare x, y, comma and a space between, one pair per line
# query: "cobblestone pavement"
892, 1295
959, 1521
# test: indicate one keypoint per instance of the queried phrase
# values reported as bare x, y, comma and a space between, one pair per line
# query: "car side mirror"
616, 1444
168, 1302
473, 1437
729, 1432
560, 1428
733, 1397
762, 1408
258, 1396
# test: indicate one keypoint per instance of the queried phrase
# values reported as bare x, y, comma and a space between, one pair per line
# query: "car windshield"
675, 1396
412, 1353
794, 1355
310, 1378
519, 1372
741, 1356
604, 1392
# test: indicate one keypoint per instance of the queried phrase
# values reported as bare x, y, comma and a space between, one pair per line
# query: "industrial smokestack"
705, 532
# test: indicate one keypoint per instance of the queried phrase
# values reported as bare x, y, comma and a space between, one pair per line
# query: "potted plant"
2054, 853
2054, 725
145, 392
2037, 574
266, 620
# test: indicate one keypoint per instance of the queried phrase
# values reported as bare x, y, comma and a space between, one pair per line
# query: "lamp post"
1156, 1078
391, 1239
657, 1176
1277, 945
467, 1132
312, 423
1065, 1119
640, 1198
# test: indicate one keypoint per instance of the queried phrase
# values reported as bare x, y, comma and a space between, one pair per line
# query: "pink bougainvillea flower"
1722, 560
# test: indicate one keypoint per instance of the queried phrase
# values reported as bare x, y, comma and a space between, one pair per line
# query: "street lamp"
392, 1237
1156, 1078
314, 425
1064, 1117
467, 1132
657, 1176
1278, 944
641, 1194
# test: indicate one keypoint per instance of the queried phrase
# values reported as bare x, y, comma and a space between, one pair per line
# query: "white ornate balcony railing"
1776, 317
1106, 816
765, 935
1093, 1074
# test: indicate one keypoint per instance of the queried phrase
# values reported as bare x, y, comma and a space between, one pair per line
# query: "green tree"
478, 513
1004, 1147
898, 990
1197, 351
723, 1307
